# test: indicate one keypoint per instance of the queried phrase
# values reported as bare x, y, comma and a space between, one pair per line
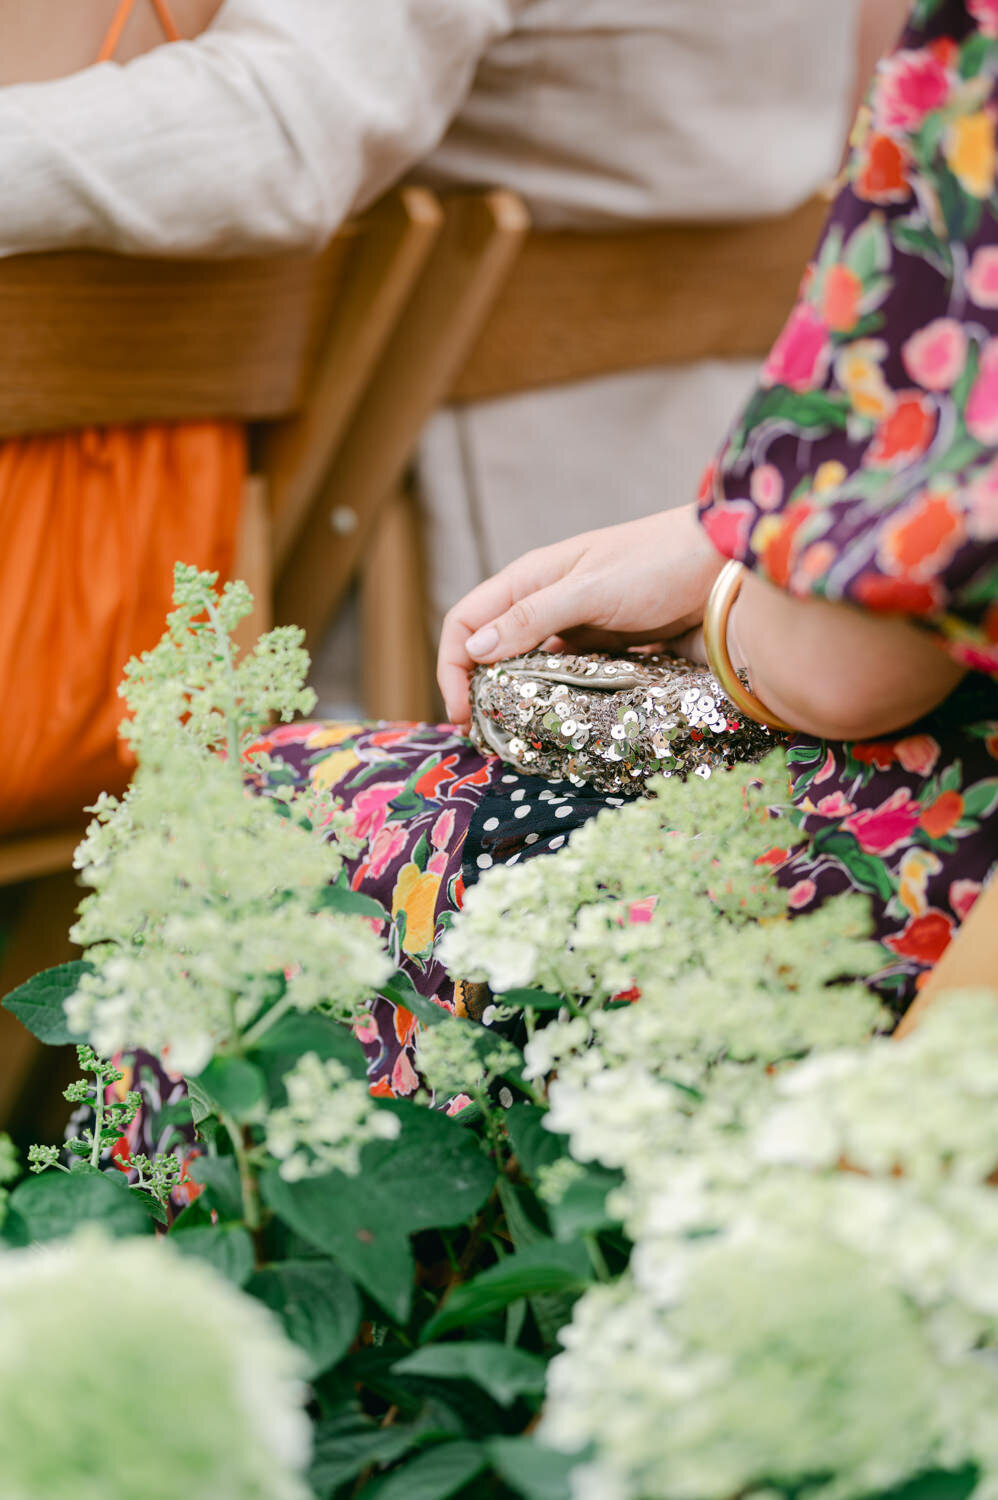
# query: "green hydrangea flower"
127, 1370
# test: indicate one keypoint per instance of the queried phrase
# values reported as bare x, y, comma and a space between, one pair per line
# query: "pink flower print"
800, 357
365, 1029
640, 912
935, 355
835, 805
405, 1079
881, 830
827, 769
443, 829
982, 512
981, 280
977, 658
982, 404
909, 86
459, 1102
918, 754
766, 486
386, 845
985, 13
801, 895
370, 808
437, 863
962, 895
728, 524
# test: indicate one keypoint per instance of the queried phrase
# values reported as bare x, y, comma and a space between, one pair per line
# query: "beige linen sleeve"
264, 133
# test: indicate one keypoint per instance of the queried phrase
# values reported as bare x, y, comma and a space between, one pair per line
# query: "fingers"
518, 628
484, 605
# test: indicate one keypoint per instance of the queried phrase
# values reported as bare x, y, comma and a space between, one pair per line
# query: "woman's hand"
640, 583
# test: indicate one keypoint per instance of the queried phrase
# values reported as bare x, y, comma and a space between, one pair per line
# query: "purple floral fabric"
865, 469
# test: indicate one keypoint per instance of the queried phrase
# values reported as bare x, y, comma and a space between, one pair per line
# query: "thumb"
530, 621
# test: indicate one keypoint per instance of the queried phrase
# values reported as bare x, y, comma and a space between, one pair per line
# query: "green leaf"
815, 412
55, 1204
226, 1247
981, 800
434, 1176
534, 1146
340, 898
434, 1475
373, 1253
533, 999
912, 238
345, 1447
289, 1038
152, 1205
39, 1003
868, 249
937, 1484
581, 1209
868, 872
220, 1177
14, 1231
400, 990
537, 1473
235, 1086
503, 1372
546, 1267
974, 55
317, 1304
982, 589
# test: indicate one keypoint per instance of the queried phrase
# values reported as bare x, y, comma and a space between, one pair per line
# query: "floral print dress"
863, 469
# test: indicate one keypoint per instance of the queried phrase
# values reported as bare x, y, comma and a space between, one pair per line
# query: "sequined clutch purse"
610, 722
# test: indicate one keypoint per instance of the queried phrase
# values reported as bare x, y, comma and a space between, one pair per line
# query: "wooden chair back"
501, 310
287, 343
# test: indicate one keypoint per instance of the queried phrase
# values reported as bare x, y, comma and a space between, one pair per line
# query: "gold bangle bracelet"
725, 591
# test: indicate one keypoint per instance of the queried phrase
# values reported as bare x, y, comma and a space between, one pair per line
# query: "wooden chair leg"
397, 675
253, 562
40, 938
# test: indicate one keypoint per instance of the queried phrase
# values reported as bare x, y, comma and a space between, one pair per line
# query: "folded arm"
264, 133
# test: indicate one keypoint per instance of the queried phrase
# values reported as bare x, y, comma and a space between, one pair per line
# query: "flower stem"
247, 1177
263, 1025
224, 641
98, 1121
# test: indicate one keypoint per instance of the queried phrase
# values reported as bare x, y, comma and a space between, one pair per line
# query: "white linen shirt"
286, 115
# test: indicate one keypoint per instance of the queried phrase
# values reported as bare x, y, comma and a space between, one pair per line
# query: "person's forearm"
263, 134
835, 671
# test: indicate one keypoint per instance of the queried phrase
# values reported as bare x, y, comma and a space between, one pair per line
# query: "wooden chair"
970, 961
286, 343
500, 310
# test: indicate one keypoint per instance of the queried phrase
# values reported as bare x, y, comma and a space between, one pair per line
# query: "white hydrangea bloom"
927, 1106
793, 1360
129, 1370
327, 1120
207, 905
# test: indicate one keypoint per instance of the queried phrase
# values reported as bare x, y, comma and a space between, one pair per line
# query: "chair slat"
478, 244
93, 339
584, 304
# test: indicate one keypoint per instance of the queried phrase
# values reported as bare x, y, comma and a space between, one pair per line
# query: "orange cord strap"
121, 17
110, 44
166, 21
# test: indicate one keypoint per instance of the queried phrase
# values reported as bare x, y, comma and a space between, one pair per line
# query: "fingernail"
483, 641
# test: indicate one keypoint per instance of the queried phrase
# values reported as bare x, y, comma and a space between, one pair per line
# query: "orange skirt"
91, 525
